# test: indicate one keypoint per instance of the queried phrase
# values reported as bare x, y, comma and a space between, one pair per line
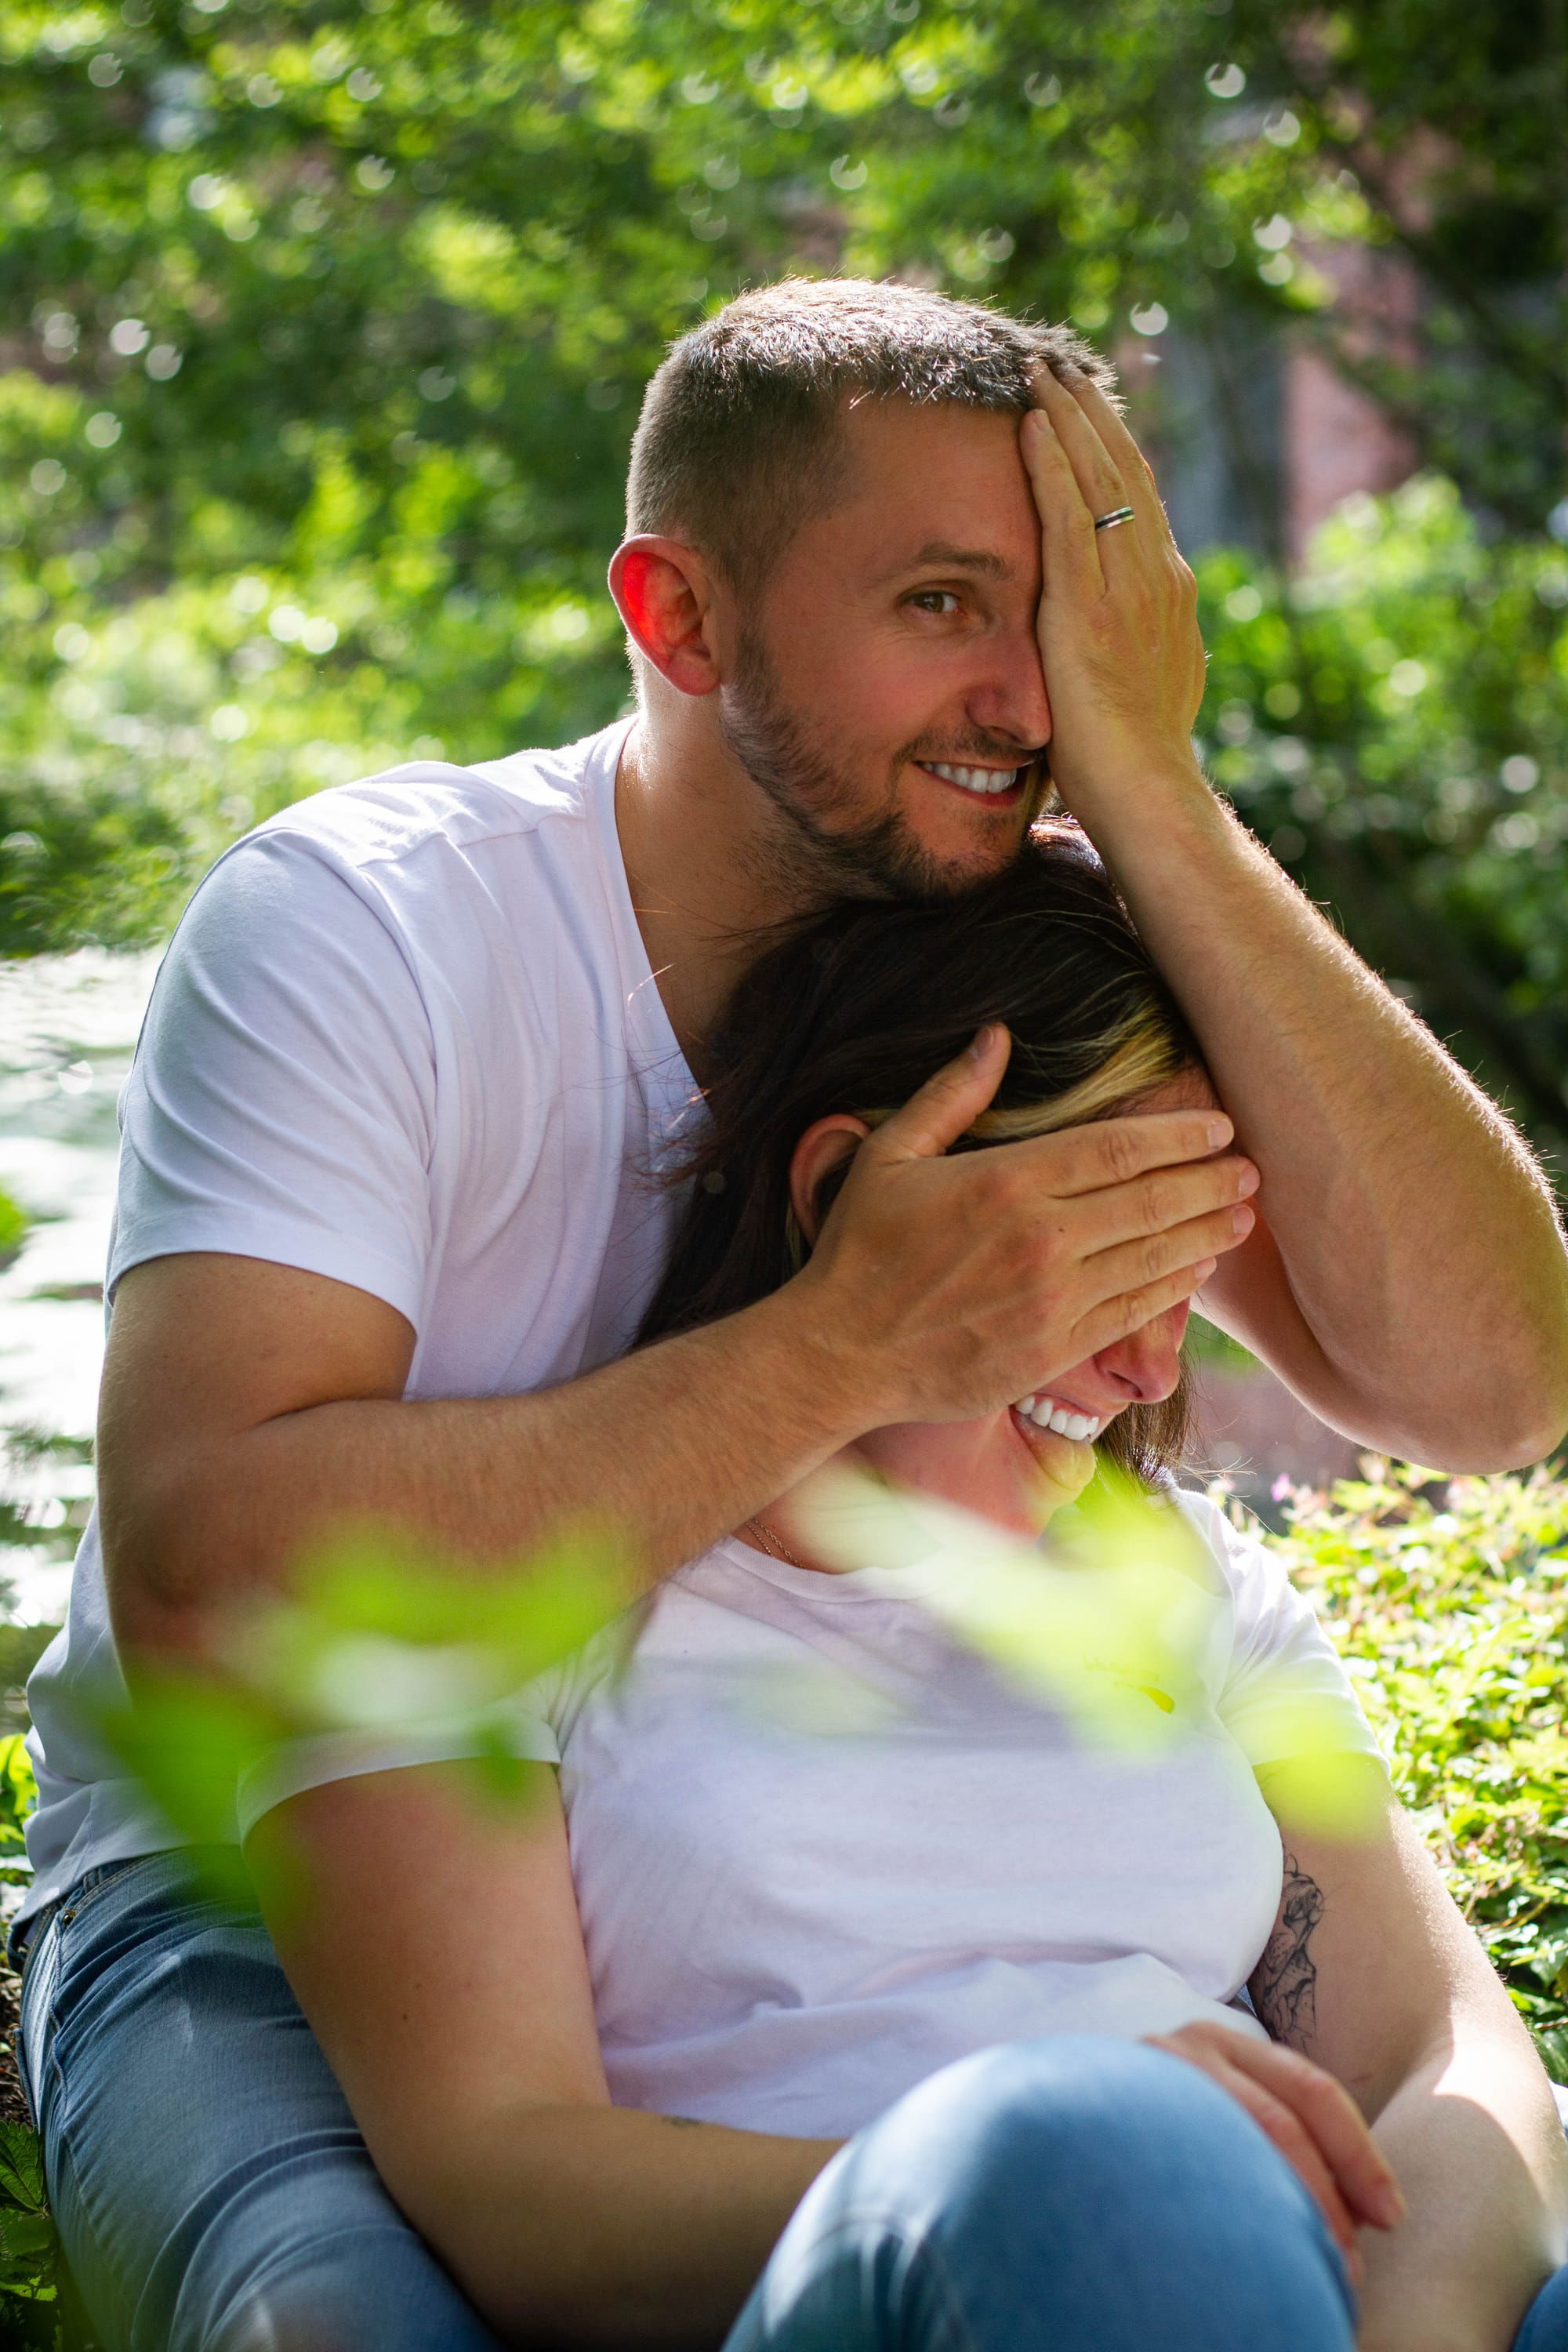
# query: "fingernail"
984, 1040
1220, 1131
1242, 1221
1248, 1181
1202, 1273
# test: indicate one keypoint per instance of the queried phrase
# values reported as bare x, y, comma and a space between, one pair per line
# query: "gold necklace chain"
774, 1546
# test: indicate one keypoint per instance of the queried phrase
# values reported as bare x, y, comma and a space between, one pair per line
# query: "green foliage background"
327, 323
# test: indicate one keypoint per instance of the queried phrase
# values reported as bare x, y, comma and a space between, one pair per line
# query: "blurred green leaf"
18, 1795
21, 2169
14, 1224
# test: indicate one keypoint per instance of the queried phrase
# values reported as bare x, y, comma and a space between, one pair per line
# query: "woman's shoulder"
1215, 1531
1267, 1613
1285, 1690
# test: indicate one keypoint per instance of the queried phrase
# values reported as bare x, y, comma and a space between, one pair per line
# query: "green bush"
1394, 721
1449, 1601
143, 738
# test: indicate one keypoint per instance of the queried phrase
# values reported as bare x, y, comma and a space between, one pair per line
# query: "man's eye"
935, 600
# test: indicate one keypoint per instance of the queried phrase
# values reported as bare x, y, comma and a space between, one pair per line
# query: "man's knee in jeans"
373, 2288
211, 2188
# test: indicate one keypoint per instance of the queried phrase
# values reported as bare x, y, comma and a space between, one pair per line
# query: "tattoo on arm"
1285, 1982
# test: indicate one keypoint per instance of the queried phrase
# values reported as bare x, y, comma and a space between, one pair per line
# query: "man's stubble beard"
817, 851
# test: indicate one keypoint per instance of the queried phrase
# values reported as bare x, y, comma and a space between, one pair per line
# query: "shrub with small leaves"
1449, 1601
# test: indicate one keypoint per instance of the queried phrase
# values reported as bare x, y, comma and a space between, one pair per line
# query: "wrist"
1133, 782
834, 1387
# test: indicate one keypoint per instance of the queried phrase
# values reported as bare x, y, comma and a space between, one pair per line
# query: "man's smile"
985, 782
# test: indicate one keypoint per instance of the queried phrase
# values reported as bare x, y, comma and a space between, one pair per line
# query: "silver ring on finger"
1118, 514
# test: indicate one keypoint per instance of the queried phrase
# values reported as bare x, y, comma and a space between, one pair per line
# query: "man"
384, 1229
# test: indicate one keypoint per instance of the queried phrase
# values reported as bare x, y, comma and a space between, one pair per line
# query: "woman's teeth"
975, 779
1045, 1413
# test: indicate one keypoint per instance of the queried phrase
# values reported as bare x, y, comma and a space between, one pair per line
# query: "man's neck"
706, 863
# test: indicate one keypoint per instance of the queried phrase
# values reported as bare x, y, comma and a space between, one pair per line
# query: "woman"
929, 2034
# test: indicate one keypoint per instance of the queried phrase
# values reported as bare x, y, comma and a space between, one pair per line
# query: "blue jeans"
214, 2196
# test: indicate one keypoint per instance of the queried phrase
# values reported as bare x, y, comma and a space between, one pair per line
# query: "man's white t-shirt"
407, 1036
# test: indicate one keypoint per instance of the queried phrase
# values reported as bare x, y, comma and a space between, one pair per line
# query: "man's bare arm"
1409, 1279
249, 1407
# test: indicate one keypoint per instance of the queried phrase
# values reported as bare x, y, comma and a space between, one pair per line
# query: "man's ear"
826, 1143
664, 592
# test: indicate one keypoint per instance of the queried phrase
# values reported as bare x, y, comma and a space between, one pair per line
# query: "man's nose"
1009, 697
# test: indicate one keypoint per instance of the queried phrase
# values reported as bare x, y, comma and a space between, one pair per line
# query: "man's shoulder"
400, 814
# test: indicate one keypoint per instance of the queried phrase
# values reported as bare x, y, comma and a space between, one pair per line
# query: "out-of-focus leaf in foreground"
374, 1641
1110, 1619
1096, 1623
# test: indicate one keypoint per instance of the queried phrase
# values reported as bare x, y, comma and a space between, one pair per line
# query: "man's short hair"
740, 437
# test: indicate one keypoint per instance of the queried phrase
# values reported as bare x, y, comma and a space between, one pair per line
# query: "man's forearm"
601, 2226
665, 1451
1417, 1236
1480, 2158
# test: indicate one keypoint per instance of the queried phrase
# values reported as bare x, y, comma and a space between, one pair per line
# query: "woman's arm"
434, 1948
1372, 1973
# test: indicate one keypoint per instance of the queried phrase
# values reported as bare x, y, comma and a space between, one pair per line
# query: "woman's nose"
1147, 1364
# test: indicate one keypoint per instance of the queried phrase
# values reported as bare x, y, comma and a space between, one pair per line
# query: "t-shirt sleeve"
535, 1726
286, 1771
1285, 1693
281, 1103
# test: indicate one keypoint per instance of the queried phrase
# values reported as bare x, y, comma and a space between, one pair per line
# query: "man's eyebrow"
941, 554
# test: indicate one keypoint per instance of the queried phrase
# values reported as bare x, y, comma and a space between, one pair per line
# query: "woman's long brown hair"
856, 1008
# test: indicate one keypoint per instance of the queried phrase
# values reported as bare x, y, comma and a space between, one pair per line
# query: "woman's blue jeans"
213, 2195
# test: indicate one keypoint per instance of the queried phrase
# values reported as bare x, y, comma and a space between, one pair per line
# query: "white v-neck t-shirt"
792, 1917
405, 1036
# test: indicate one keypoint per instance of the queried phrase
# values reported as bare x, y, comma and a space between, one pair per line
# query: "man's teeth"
974, 780
1047, 1413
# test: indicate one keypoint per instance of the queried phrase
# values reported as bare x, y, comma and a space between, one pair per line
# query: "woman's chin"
1004, 1469
1063, 1468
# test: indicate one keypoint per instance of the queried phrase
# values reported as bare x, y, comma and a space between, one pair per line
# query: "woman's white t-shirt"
788, 1925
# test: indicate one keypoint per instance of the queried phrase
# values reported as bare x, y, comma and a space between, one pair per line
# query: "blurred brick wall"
1252, 1431
1334, 438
